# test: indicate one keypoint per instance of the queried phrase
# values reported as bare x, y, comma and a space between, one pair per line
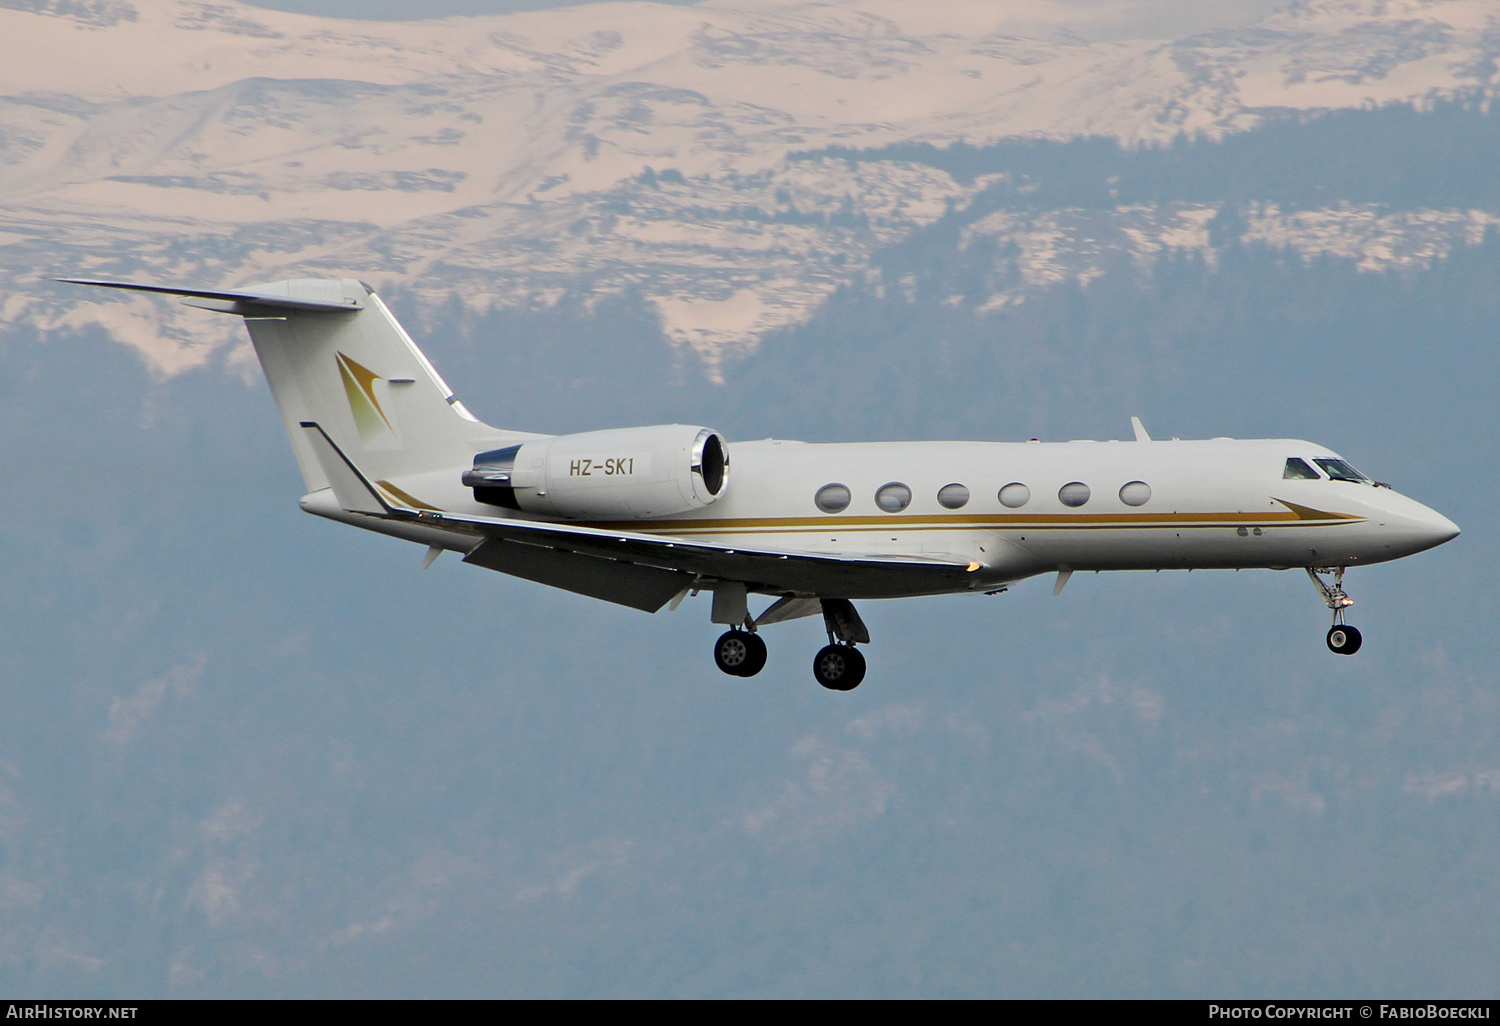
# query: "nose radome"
1443, 529
1408, 527
1430, 527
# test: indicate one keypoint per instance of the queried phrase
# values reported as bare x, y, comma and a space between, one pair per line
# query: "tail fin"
335, 356
360, 377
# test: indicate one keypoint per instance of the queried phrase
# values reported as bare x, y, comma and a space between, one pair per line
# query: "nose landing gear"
1342, 639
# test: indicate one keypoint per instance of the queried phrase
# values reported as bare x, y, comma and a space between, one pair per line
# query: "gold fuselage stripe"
1293, 516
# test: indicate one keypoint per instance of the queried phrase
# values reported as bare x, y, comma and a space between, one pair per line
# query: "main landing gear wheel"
839, 667
740, 653
1343, 639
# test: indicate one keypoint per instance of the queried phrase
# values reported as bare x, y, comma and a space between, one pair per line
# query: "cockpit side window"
1341, 471
1298, 470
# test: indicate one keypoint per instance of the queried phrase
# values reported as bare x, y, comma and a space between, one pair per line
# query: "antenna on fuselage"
1140, 430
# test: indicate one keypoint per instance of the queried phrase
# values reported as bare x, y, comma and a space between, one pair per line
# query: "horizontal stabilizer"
237, 301
350, 487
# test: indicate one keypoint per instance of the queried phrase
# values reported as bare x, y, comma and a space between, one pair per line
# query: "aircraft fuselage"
1214, 504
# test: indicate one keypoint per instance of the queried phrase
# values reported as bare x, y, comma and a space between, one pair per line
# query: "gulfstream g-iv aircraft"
645, 516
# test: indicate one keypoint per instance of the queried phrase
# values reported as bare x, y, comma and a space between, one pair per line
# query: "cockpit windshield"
1298, 470
1341, 471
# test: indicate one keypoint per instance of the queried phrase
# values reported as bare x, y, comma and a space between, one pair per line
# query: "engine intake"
623, 474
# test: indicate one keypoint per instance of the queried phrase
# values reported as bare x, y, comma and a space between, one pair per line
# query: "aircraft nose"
1428, 528
1440, 528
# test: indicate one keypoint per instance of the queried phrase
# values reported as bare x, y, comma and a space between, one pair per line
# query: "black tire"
757, 660
1344, 640
839, 667
735, 651
856, 668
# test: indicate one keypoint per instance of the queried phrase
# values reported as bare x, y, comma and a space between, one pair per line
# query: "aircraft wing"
645, 570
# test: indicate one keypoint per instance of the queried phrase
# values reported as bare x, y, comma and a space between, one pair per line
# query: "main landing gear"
838, 666
1342, 639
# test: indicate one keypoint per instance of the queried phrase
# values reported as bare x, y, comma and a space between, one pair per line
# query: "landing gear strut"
1342, 639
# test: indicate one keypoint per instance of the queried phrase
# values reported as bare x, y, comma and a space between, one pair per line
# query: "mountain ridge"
506, 159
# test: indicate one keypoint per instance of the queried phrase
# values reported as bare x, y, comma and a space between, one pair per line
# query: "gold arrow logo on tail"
359, 386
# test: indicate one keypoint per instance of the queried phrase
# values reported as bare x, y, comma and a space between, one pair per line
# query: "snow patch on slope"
506, 160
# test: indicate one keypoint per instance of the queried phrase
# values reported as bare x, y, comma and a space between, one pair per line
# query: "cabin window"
832, 498
953, 496
1015, 495
1298, 470
893, 497
1341, 471
1074, 493
1136, 493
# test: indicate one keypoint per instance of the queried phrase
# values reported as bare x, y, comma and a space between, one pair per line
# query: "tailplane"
335, 357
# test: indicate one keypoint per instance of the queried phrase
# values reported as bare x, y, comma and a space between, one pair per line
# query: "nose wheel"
1342, 639
740, 653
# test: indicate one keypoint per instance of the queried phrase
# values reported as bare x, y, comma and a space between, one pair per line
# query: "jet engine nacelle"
622, 474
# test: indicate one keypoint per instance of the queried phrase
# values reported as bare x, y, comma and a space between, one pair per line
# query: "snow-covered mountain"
507, 160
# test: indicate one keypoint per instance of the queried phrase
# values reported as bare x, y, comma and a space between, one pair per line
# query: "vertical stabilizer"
358, 376
336, 358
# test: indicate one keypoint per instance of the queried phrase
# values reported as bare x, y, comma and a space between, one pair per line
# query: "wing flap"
628, 584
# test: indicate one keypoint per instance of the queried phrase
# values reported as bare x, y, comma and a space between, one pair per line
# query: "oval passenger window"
893, 497
832, 498
953, 496
1074, 493
1015, 495
1136, 493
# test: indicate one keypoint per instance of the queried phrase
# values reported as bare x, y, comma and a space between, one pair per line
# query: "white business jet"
645, 516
